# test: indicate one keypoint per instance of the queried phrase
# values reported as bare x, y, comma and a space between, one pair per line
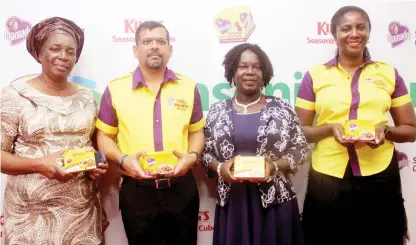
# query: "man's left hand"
186, 162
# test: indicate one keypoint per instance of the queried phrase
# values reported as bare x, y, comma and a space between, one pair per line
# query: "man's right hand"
49, 167
132, 166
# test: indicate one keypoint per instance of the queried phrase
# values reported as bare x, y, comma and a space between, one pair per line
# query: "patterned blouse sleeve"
209, 154
10, 108
297, 149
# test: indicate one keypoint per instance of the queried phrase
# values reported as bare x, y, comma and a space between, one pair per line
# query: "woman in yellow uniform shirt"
354, 193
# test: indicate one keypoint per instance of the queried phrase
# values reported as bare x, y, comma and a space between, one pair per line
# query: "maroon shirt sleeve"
197, 113
400, 88
107, 113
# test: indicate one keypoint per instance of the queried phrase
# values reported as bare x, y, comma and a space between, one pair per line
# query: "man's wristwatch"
198, 158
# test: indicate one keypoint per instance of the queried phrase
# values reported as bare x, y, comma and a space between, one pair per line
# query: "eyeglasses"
149, 41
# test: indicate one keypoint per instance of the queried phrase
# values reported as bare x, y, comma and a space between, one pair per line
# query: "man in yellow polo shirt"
154, 109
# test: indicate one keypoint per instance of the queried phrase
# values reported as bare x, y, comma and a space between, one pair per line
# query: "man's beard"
154, 64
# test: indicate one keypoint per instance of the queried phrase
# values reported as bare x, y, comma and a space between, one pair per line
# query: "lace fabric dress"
39, 210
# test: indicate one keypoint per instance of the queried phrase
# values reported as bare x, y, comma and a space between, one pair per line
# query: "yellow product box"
247, 167
359, 130
78, 160
158, 163
234, 24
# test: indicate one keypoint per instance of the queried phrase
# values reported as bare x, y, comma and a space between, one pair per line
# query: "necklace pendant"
245, 111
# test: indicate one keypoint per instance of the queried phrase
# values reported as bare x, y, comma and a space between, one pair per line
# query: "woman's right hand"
339, 134
48, 166
225, 171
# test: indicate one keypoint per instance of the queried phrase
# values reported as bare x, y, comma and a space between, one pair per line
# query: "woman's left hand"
98, 172
380, 137
270, 170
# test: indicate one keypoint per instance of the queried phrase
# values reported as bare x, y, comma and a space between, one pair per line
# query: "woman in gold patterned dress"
40, 118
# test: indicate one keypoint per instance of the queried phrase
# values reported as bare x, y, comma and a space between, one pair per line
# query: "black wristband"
387, 131
121, 161
197, 156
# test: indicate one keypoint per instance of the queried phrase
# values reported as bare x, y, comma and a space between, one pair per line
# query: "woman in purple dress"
264, 211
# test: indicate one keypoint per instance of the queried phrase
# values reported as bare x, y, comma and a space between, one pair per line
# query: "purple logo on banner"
398, 34
16, 30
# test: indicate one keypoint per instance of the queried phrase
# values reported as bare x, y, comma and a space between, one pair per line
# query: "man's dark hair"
150, 25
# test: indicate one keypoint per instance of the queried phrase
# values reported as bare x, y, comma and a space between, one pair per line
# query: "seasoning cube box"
234, 24
158, 163
79, 160
359, 130
249, 167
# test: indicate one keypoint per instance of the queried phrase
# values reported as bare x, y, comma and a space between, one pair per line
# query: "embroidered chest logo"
378, 83
171, 101
179, 104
